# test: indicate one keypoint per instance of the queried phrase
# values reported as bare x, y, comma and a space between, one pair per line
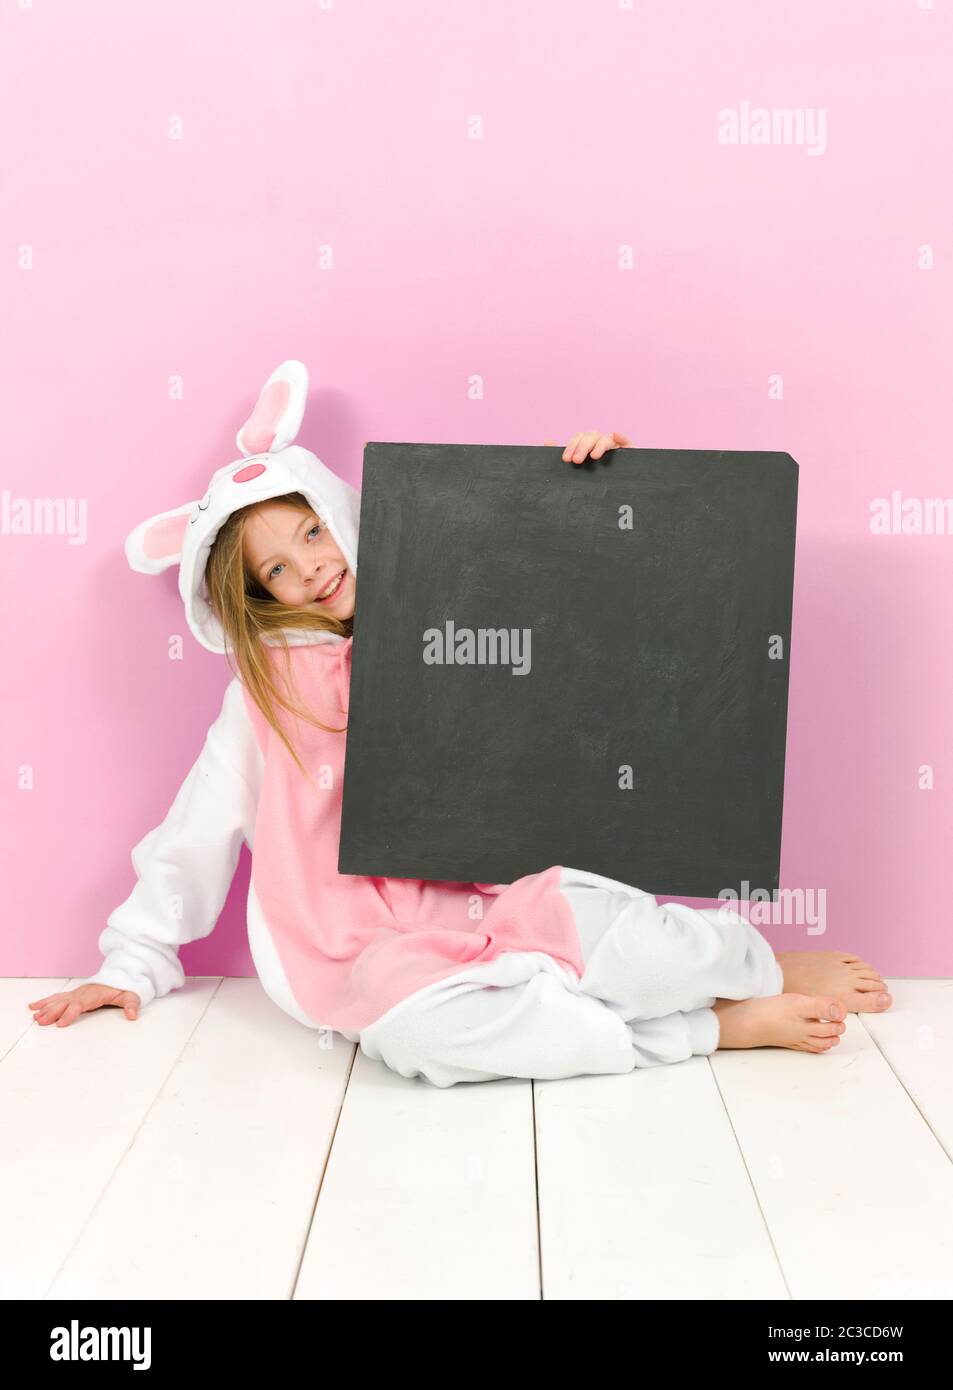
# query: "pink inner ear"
259, 432
164, 537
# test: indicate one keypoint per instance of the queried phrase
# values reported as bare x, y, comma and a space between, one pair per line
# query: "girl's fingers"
130, 1005
615, 440
53, 1010
579, 446
604, 442
586, 441
567, 452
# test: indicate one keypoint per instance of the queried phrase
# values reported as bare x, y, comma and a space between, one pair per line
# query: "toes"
828, 1008
828, 1030
873, 1002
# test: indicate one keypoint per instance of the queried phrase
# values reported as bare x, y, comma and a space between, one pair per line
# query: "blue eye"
318, 526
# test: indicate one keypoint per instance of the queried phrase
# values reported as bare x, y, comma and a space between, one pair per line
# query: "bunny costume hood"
270, 465
336, 951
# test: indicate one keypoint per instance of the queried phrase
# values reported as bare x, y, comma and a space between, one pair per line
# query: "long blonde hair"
248, 612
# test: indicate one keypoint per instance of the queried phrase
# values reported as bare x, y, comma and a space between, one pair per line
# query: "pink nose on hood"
272, 465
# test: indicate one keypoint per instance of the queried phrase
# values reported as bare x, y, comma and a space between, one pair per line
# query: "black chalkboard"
655, 586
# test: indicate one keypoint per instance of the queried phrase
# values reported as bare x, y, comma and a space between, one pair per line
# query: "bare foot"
807, 1023
855, 982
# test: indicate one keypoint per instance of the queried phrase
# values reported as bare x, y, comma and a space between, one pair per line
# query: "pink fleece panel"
353, 946
245, 475
164, 537
258, 434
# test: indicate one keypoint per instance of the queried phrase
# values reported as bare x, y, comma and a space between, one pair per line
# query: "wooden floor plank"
856, 1190
429, 1193
915, 1035
16, 994
181, 1156
214, 1197
72, 1100
643, 1193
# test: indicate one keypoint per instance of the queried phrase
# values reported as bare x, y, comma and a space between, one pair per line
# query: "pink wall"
347, 125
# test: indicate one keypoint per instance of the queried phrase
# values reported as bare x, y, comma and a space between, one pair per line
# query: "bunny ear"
157, 543
277, 416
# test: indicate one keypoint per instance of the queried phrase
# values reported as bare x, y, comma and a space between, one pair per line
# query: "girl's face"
292, 553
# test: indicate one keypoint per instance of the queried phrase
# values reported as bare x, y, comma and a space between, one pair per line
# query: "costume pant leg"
648, 961
542, 1027
466, 1030
652, 974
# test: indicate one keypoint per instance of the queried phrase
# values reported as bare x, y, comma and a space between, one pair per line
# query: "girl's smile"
334, 590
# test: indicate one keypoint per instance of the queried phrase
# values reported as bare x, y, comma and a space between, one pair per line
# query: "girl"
562, 973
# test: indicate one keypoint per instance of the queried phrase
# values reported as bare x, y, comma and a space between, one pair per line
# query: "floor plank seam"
539, 1223
751, 1182
900, 1082
327, 1160
27, 1025
91, 1214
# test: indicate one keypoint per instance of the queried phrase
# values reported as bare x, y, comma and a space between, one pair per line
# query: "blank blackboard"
624, 705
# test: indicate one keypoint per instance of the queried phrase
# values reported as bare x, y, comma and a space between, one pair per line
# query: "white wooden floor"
214, 1149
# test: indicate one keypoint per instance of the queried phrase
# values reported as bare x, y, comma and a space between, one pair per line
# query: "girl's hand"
591, 442
64, 1009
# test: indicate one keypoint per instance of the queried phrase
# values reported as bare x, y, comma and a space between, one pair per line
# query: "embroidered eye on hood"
270, 465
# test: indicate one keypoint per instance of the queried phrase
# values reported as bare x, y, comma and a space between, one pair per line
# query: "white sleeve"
185, 866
